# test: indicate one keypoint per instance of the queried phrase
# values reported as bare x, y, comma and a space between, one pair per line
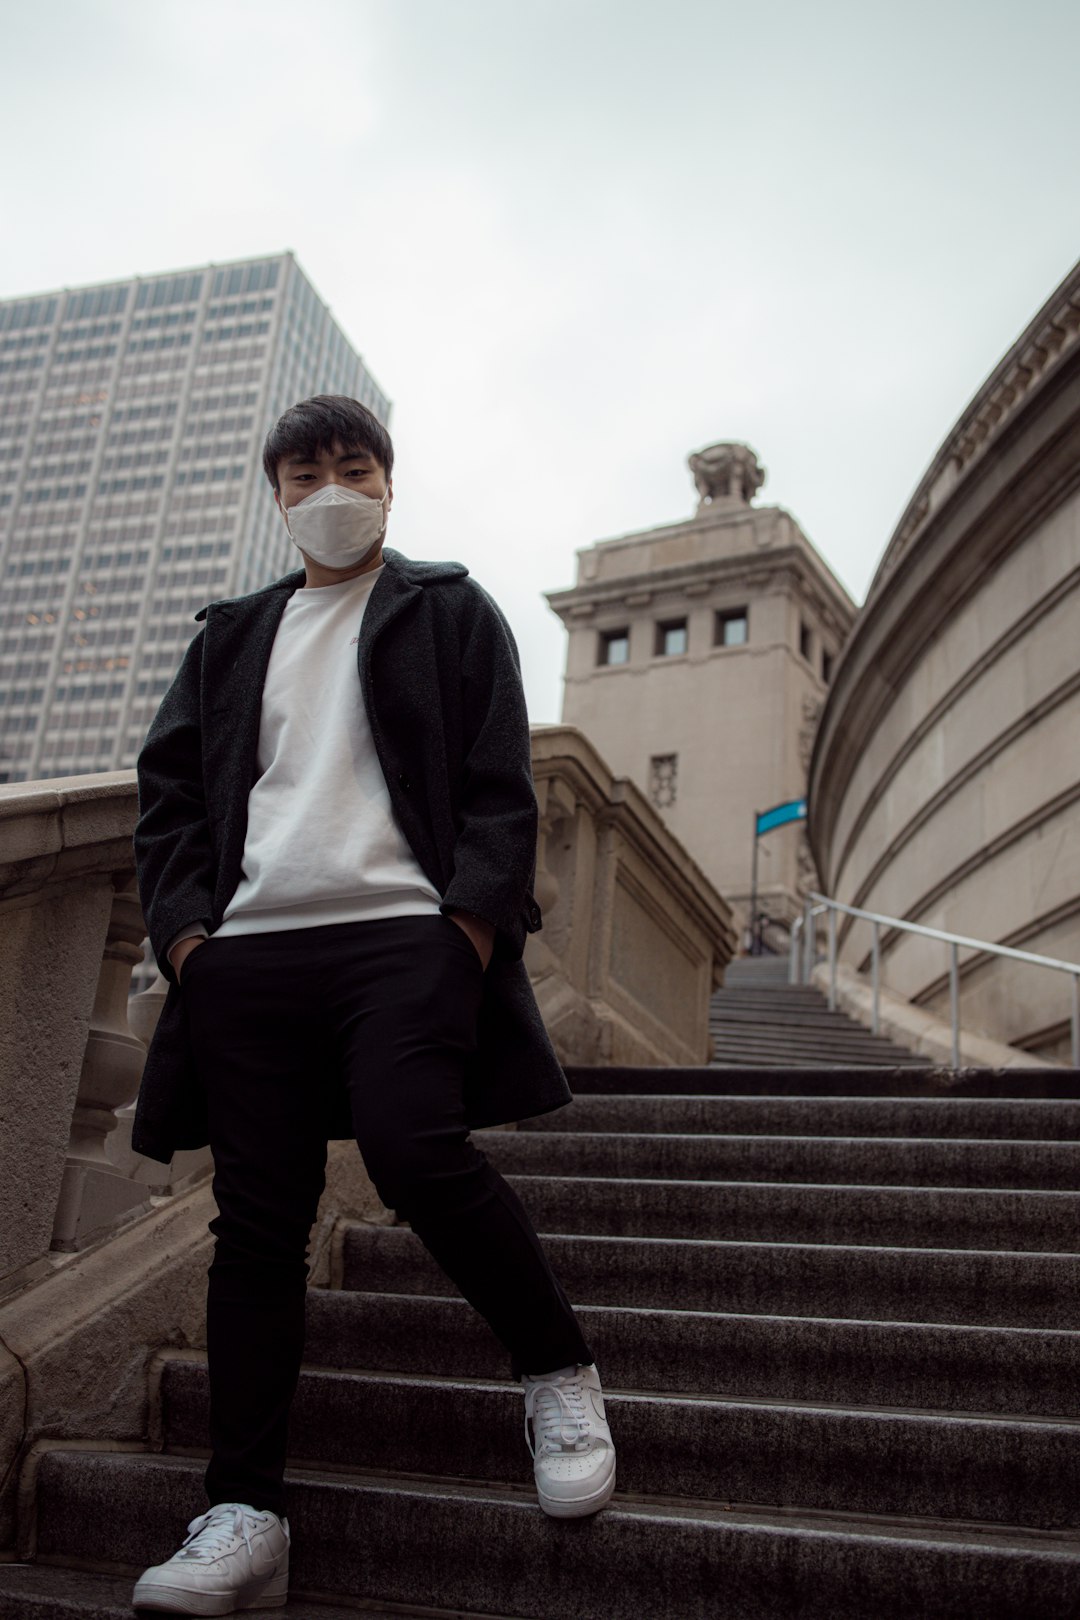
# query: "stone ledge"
918, 1030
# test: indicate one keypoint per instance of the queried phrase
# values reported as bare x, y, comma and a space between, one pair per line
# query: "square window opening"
671, 638
614, 647
732, 628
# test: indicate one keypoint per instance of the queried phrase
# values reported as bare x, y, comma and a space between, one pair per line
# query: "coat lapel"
392, 594
240, 638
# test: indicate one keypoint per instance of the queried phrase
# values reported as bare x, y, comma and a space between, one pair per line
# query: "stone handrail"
70, 934
635, 939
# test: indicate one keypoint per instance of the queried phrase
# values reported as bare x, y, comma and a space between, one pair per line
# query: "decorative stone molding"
745, 574
1052, 335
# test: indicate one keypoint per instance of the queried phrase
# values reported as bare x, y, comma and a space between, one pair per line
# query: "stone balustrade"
635, 939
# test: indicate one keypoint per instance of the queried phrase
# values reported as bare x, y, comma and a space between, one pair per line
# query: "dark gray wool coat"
441, 682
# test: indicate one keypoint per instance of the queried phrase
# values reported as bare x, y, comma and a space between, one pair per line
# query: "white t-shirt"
322, 845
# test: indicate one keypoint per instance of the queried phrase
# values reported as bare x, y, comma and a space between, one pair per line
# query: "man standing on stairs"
335, 848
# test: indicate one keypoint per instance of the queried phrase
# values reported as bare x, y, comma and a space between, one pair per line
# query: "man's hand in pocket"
180, 953
480, 932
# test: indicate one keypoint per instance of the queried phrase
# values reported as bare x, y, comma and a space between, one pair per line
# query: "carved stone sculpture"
726, 472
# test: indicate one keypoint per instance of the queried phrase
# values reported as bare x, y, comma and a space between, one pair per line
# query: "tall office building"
131, 490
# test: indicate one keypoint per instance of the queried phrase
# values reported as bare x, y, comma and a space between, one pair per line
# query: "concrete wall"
945, 785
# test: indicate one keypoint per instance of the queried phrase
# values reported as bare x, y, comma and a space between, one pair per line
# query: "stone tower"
699, 656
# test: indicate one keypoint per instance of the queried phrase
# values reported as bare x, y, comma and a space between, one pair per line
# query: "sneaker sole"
160, 1599
558, 1508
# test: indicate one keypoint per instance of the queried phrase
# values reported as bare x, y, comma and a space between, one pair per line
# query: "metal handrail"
819, 904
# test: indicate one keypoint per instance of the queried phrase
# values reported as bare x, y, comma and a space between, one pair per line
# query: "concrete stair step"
892, 1162
1006, 1471
818, 1081
734, 1058
1011, 1119
976, 1287
794, 1212
727, 1045
796, 1022
777, 1013
491, 1551
827, 1045
782, 1358
727, 1038
51, 1592
764, 966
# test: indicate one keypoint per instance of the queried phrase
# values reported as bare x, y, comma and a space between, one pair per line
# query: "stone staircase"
758, 1018
837, 1313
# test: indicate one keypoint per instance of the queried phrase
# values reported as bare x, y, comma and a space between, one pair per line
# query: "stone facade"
945, 785
699, 657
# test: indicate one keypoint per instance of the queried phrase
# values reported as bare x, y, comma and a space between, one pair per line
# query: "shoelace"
211, 1533
560, 1417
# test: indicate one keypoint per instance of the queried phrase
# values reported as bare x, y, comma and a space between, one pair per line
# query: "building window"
614, 647
826, 667
671, 638
805, 640
663, 774
732, 628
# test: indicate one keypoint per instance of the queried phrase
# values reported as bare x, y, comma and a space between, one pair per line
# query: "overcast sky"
575, 241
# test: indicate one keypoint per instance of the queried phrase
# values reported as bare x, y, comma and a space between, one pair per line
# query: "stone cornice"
1051, 336
752, 571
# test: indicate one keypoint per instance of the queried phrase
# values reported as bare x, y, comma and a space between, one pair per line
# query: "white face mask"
336, 526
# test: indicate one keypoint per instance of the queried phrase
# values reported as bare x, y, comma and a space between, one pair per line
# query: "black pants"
276, 1020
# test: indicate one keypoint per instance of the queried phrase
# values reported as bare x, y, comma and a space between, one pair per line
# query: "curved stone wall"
945, 781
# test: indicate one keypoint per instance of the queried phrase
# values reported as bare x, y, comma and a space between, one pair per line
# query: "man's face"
354, 469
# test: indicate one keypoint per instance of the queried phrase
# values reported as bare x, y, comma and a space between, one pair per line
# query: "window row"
92, 329
140, 413
16, 696
38, 565
44, 446
53, 492
83, 351
28, 312
126, 459
95, 302
183, 553
169, 290
156, 365
28, 340
209, 475
245, 278
174, 317
22, 362
245, 329
202, 403
164, 340
118, 486
85, 665
58, 469
671, 637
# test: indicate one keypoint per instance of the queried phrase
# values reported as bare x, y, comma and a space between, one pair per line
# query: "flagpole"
754, 951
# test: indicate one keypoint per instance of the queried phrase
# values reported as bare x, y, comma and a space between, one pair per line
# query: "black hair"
320, 423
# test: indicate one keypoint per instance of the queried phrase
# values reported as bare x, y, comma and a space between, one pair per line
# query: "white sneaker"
233, 1558
573, 1457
